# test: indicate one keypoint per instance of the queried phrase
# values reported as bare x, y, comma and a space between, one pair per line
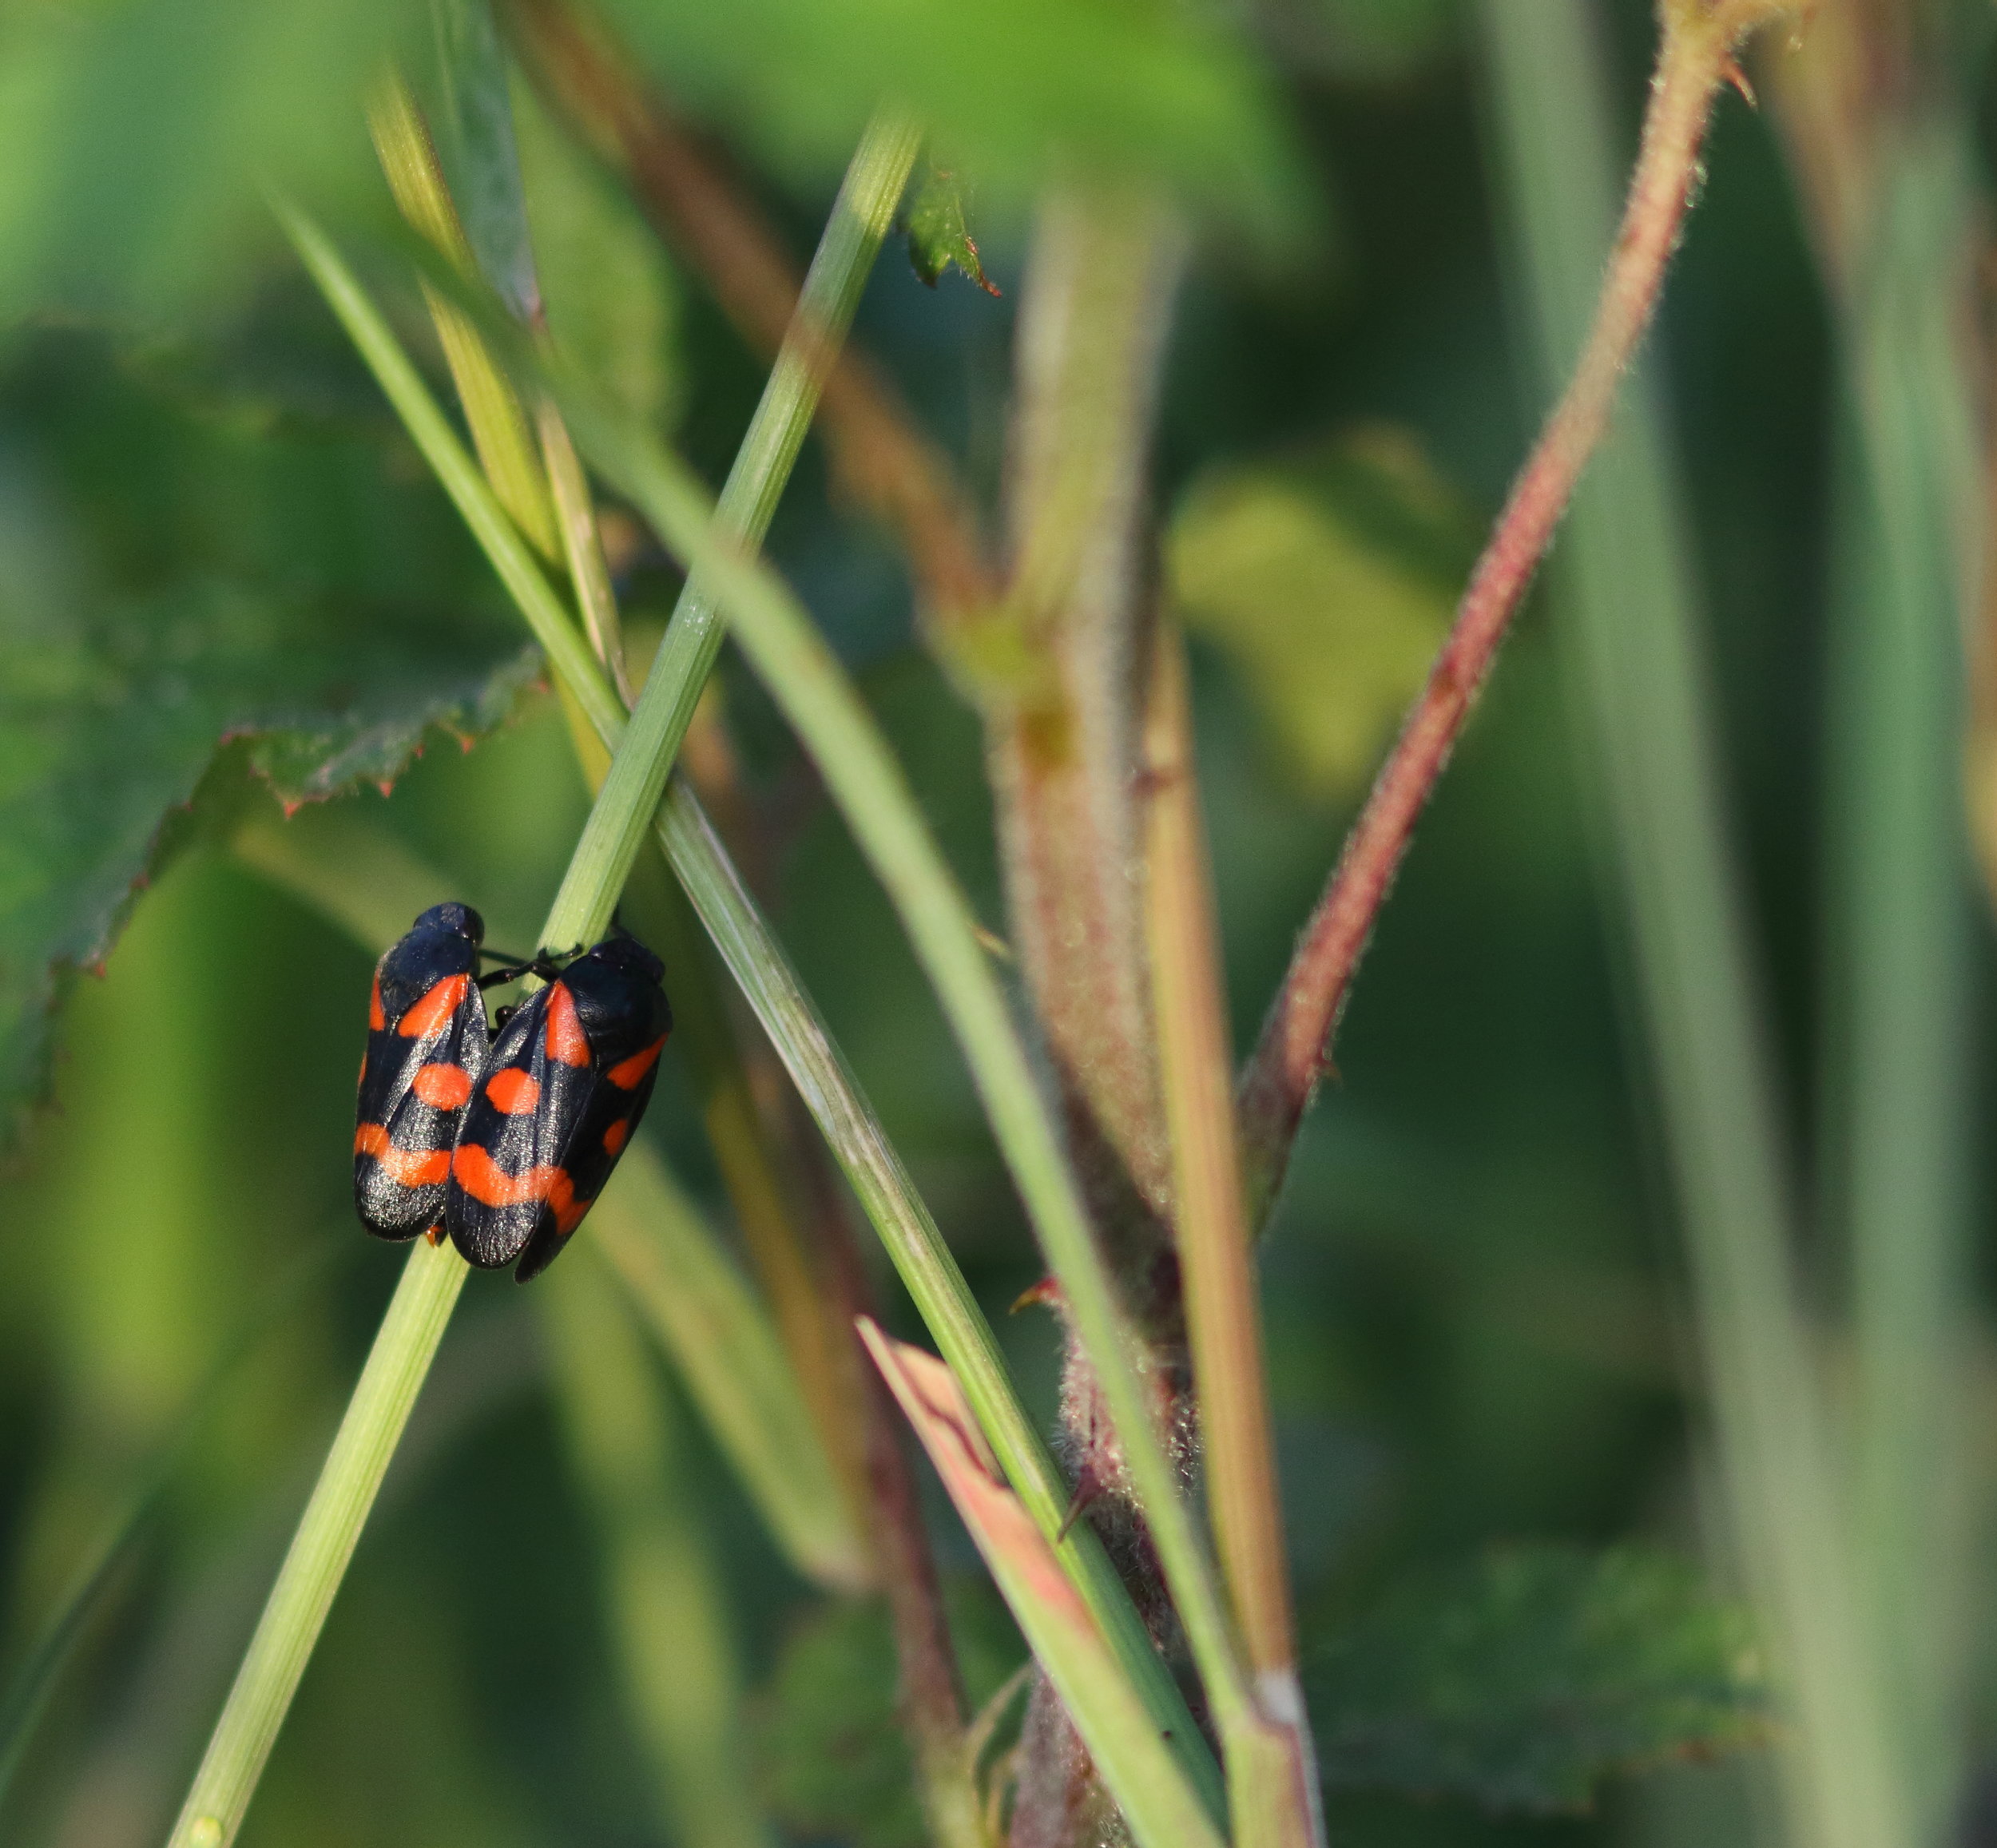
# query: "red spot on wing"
376, 1019
625, 1075
512, 1091
614, 1137
405, 1167
490, 1185
432, 1015
443, 1087
567, 1043
569, 1216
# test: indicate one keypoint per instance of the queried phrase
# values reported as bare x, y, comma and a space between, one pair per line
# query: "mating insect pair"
503, 1140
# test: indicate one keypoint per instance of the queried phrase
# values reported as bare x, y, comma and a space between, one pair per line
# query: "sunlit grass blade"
665, 1601
1223, 1310
1630, 616
861, 217
799, 1035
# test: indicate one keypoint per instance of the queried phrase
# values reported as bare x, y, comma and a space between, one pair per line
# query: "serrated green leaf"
832, 1757
938, 235
1328, 578
1146, 91
134, 135
1522, 1680
196, 607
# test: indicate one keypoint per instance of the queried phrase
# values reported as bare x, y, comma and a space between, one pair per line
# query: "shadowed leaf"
1522, 1680
1141, 90
1328, 579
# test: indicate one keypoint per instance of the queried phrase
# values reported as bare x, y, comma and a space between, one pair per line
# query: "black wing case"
625, 1076
423, 1062
507, 1178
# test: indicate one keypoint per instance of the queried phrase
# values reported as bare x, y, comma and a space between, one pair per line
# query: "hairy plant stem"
1695, 57
871, 1167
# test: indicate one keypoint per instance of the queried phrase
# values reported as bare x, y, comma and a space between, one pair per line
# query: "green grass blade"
1899, 1124
1629, 611
1134, 1761
861, 217
666, 1606
758, 964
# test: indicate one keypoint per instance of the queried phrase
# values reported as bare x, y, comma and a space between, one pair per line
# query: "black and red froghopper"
427, 1044
566, 1081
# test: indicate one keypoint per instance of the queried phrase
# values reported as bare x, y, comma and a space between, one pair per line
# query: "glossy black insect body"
569, 1077
427, 1048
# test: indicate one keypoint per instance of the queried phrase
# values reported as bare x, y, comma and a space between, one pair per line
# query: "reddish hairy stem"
1293, 1052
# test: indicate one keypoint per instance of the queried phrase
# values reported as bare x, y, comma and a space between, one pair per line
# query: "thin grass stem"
861, 216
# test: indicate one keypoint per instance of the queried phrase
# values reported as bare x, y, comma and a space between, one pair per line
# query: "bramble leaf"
198, 601
1522, 1680
938, 236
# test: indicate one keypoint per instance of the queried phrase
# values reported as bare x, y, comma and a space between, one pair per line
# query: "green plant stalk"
1638, 680
866, 1157
861, 217
1902, 964
817, 698
289, 1627
665, 1598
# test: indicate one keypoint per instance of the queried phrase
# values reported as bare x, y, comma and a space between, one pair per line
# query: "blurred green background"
1478, 1318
